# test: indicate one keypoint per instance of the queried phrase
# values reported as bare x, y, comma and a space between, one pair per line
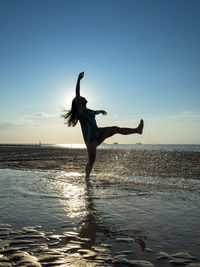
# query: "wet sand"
33, 247
52, 218
180, 164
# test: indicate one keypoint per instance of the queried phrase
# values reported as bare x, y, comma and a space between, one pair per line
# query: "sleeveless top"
89, 126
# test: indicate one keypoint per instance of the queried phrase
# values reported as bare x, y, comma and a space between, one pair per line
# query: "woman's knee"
108, 132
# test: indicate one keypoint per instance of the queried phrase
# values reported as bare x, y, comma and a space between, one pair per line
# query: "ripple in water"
57, 218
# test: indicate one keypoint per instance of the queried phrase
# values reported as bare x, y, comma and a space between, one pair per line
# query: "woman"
92, 134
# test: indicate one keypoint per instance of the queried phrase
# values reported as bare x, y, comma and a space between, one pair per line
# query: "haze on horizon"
141, 60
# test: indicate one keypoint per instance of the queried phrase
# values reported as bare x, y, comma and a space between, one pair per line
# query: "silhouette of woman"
92, 134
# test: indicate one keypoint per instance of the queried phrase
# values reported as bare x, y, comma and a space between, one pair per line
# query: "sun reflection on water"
72, 145
71, 194
75, 203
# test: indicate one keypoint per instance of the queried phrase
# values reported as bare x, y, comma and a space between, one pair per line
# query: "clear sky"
141, 60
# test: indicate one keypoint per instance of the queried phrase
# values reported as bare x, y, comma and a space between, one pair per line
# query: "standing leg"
91, 149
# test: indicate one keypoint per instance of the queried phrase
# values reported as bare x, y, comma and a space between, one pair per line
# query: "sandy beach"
141, 208
182, 164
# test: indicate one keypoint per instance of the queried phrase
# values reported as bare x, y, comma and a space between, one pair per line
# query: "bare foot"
140, 127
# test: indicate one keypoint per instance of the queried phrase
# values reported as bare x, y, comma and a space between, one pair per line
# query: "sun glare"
67, 99
72, 145
72, 194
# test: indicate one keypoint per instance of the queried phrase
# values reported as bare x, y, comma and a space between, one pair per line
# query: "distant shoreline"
137, 146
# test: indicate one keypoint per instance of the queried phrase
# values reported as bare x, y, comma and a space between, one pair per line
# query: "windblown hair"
71, 116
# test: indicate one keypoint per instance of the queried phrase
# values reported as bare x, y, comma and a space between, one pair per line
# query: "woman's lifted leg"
110, 131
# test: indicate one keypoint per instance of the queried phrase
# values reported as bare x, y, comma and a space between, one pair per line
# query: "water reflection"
88, 243
87, 228
71, 194
80, 204
71, 145
92, 226
75, 200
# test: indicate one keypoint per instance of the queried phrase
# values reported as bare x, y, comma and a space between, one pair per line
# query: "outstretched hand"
81, 75
104, 112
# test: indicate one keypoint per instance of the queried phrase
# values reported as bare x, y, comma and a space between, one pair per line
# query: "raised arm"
78, 98
80, 76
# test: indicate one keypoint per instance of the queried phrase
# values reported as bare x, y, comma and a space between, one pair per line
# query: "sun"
68, 97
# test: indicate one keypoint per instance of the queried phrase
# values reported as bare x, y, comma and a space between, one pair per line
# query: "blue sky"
141, 60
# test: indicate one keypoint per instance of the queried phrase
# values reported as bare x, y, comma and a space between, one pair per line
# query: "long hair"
71, 116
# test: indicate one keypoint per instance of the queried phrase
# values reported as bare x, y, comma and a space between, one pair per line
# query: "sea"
111, 220
139, 146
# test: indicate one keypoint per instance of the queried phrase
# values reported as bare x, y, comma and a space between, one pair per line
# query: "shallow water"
122, 213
